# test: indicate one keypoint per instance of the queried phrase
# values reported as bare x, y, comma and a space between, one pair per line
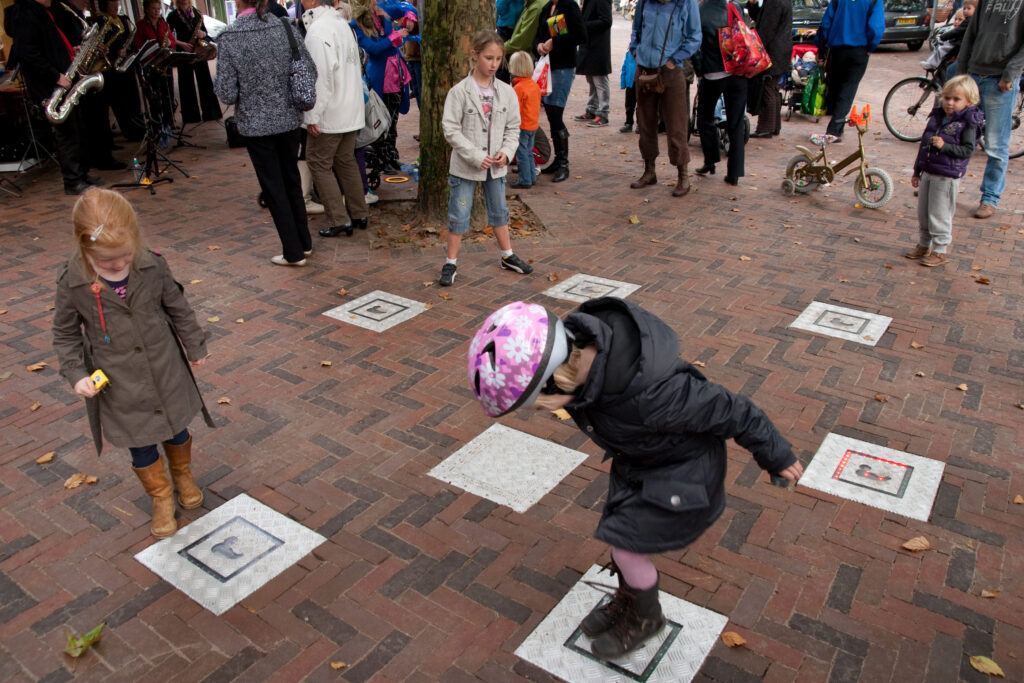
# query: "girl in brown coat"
119, 310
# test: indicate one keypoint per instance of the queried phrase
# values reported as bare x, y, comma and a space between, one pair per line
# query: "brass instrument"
124, 63
82, 73
204, 49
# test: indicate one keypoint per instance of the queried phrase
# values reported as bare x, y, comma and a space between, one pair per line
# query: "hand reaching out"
85, 388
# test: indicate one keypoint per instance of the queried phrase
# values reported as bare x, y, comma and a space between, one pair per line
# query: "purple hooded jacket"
959, 134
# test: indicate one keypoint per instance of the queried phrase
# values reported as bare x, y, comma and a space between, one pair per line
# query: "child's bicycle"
809, 170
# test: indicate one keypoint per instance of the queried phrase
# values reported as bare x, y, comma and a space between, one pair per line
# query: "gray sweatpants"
936, 204
600, 95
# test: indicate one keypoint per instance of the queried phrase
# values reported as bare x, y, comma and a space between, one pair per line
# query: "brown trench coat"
152, 394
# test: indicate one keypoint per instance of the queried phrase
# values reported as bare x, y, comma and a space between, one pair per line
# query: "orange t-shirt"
529, 102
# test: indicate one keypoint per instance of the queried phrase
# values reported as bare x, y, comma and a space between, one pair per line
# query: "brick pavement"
419, 581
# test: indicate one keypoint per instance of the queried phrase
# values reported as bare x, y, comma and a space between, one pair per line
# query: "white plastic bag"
542, 74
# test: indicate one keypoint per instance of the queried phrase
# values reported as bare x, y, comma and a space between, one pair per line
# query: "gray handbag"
302, 81
378, 120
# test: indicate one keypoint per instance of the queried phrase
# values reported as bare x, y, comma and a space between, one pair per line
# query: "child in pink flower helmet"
616, 369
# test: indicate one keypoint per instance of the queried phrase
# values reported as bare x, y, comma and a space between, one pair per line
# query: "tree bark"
447, 28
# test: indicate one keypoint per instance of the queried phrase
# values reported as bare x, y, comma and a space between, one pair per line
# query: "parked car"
906, 21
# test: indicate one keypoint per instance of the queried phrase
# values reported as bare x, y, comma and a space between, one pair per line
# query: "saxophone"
124, 63
63, 100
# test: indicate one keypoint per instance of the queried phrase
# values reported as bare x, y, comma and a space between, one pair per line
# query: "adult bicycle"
909, 102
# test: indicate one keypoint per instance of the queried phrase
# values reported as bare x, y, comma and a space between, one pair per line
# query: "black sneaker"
447, 275
513, 262
587, 116
598, 122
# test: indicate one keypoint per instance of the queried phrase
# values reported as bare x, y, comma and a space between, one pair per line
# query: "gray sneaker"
447, 275
513, 262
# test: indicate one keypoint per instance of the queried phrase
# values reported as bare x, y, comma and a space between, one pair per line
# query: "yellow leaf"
915, 345
428, 283
338, 665
74, 481
888, 266
213, 247
561, 414
985, 593
699, 363
918, 374
987, 666
213, 319
745, 258
983, 281
325, 363
733, 639
239, 320
35, 406
50, 307
1018, 499
856, 239
194, 282
553, 277
35, 367
46, 457
634, 219
342, 292
224, 400
961, 387
445, 296
917, 544
975, 267
881, 398
91, 479
3, 311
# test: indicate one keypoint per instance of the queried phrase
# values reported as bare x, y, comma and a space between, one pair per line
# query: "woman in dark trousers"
558, 40
774, 24
714, 83
253, 68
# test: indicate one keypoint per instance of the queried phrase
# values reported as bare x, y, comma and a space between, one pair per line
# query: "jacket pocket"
674, 495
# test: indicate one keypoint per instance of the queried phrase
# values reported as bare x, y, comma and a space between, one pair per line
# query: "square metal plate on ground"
875, 475
844, 323
229, 553
581, 288
377, 311
673, 656
508, 467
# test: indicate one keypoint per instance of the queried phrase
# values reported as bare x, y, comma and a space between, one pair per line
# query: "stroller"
792, 84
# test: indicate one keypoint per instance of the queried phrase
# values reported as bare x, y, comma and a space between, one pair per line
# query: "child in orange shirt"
520, 65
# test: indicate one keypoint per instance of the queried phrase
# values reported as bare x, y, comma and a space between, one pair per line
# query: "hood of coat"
78, 275
311, 16
635, 348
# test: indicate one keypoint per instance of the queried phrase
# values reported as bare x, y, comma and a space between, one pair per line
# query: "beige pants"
332, 158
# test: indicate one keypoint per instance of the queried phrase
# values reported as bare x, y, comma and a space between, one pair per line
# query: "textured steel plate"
673, 656
844, 323
580, 288
230, 552
377, 311
875, 475
508, 467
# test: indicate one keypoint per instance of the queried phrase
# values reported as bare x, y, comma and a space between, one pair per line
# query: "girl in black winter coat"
616, 369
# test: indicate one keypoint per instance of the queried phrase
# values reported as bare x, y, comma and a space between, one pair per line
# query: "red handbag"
742, 51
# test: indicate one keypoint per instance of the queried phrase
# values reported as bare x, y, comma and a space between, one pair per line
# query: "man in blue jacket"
849, 30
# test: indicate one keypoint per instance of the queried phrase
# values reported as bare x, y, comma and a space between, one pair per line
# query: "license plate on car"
806, 31
906, 20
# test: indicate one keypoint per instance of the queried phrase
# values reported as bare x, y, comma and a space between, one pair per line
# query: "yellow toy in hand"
99, 380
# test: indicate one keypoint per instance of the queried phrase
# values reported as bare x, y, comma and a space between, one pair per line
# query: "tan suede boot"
158, 487
648, 178
682, 183
179, 458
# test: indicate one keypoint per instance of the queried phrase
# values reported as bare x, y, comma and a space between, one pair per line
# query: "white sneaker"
312, 208
371, 198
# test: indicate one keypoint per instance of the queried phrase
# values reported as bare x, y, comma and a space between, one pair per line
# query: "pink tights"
637, 570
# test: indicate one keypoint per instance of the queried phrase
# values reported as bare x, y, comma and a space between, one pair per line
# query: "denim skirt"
561, 84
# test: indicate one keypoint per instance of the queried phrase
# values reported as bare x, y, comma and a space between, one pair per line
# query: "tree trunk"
447, 29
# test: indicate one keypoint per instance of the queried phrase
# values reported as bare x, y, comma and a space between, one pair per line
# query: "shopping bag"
813, 102
742, 50
376, 123
542, 74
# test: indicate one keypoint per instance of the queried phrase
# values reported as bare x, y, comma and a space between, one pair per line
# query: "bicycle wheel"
801, 183
878, 190
907, 106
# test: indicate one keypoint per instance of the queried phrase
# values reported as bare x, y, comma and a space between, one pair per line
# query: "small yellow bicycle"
809, 170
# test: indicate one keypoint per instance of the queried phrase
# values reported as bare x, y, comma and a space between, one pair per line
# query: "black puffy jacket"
664, 426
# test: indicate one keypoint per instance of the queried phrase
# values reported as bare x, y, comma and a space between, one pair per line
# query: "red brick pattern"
421, 582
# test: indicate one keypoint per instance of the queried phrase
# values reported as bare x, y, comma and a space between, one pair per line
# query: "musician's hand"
186, 47
201, 34
63, 81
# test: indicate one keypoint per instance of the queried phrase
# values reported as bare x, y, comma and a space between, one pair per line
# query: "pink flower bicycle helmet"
514, 354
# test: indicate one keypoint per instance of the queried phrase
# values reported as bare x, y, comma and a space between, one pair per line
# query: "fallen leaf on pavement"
213, 247
77, 645
745, 258
961, 387
91, 479
46, 457
561, 414
1018, 499
553, 277
915, 345
338, 665
444, 295
918, 544
239, 320
75, 480
881, 398
985, 593
35, 406
699, 363
428, 283
987, 666
224, 401
918, 374
35, 367
342, 292
733, 639
213, 319
634, 219
325, 363
194, 282
983, 281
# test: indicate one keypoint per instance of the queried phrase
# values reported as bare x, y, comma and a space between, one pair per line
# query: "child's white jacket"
465, 128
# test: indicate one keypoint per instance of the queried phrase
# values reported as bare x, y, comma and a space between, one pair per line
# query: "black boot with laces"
640, 620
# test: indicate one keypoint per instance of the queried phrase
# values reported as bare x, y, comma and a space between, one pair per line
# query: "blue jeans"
524, 157
460, 202
998, 108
